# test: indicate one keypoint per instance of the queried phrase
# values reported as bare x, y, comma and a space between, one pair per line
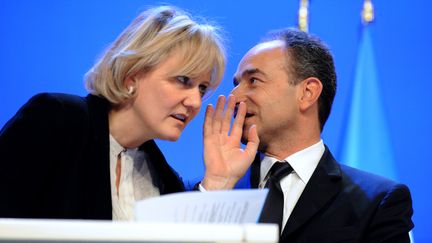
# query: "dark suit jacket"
343, 204
54, 160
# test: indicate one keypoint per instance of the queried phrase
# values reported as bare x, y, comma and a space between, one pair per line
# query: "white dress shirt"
135, 180
303, 163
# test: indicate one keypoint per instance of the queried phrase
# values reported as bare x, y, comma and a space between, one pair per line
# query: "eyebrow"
248, 72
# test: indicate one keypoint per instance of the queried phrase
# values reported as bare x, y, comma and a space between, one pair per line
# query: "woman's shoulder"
51, 110
68, 103
46, 120
57, 100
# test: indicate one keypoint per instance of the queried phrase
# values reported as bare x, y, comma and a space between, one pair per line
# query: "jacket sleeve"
392, 221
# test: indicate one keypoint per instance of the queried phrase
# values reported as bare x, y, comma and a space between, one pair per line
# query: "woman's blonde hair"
148, 41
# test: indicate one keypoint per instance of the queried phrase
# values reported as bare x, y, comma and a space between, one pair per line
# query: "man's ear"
311, 89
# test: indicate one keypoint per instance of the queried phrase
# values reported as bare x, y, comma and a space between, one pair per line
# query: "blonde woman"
65, 156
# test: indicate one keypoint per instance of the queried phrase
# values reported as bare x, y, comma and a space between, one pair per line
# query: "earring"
131, 90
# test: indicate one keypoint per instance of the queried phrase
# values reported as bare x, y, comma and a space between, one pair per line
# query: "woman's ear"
311, 89
130, 84
129, 80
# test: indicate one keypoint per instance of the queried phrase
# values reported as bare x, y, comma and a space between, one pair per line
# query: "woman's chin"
170, 137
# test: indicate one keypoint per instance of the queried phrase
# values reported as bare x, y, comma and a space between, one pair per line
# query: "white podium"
79, 231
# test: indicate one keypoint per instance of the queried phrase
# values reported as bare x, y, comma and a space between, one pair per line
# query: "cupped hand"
226, 162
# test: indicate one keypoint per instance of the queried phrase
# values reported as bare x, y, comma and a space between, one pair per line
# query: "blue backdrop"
49, 45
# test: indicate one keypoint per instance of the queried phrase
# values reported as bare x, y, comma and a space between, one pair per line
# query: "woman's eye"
203, 89
183, 79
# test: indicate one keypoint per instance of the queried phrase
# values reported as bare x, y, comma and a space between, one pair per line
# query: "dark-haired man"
288, 83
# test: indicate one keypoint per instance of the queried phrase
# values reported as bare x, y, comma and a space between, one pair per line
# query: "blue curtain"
367, 142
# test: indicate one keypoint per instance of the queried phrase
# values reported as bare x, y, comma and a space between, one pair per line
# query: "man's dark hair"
309, 57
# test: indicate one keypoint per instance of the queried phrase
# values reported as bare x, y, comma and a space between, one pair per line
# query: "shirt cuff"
201, 188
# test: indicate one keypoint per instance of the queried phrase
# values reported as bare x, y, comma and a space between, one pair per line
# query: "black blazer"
343, 204
54, 160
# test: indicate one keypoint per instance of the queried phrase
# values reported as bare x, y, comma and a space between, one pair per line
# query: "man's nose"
238, 93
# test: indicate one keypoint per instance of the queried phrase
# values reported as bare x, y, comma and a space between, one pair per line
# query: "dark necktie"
273, 206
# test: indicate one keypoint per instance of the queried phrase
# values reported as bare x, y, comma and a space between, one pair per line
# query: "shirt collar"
115, 147
303, 162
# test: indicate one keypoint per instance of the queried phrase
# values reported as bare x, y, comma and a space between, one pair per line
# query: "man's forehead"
266, 47
261, 55
267, 50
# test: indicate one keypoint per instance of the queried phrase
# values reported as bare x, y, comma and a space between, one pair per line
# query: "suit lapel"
255, 171
163, 176
322, 186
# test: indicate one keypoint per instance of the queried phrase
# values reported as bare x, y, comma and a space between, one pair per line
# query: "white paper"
233, 206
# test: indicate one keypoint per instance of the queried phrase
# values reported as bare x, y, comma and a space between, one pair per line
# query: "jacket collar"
324, 184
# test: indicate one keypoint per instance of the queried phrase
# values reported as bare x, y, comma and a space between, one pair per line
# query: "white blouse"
135, 180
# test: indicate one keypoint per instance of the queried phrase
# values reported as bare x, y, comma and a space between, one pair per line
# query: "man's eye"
253, 80
183, 79
203, 89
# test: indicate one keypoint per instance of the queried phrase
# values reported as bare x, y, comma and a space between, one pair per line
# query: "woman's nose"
193, 99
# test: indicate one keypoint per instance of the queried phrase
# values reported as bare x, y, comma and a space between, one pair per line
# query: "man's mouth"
247, 113
180, 117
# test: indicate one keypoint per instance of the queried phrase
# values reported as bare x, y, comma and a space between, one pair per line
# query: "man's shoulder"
364, 177
370, 184
361, 180
351, 173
